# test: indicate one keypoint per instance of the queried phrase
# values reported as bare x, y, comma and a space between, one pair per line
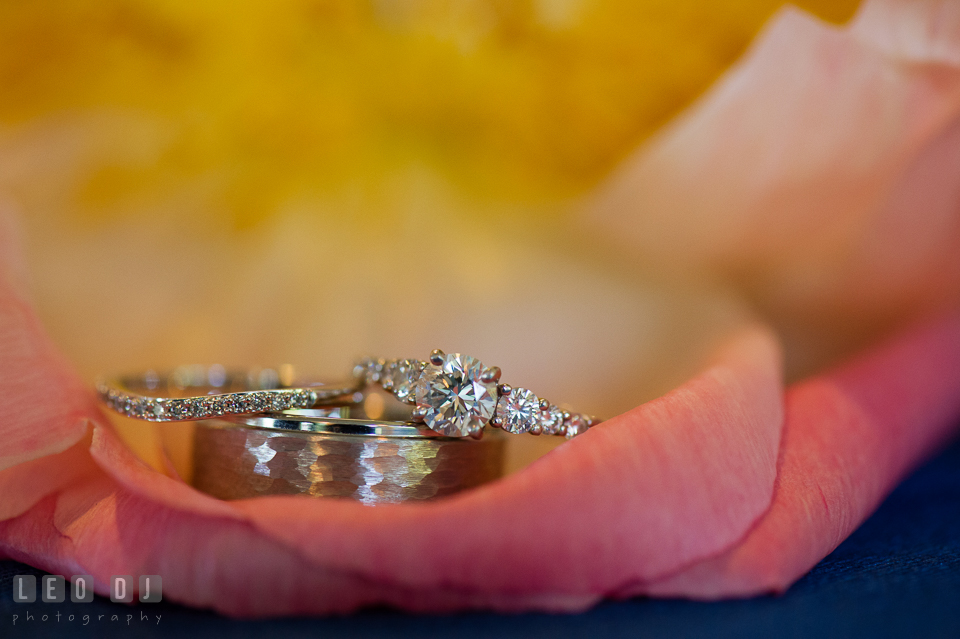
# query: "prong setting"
437, 357
492, 374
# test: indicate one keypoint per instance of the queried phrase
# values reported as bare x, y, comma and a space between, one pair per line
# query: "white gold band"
192, 392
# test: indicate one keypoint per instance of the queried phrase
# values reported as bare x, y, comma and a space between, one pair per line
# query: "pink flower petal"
25, 484
676, 480
45, 408
850, 436
128, 470
820, 171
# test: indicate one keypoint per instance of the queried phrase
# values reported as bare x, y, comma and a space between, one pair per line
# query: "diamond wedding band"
457, 396
195, 392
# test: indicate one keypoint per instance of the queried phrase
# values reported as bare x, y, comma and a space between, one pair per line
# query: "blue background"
897, 576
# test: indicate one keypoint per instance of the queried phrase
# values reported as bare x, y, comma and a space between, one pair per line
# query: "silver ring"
457, 396
189, 393
330, 422
367, 460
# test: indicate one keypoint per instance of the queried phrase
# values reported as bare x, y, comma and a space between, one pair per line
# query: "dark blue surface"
897, 576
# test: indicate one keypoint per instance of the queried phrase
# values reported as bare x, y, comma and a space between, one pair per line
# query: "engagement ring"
456, 395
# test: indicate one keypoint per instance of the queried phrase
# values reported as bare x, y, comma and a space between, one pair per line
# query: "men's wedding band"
313, 453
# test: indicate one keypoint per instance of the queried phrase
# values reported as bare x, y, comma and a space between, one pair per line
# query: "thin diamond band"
456, 395
211, 392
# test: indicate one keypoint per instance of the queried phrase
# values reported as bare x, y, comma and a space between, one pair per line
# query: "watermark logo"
53, 588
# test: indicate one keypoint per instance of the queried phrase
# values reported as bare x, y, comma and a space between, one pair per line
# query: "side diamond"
576, 425
551, 420
518, 411
403, 376
387, 371
367, 369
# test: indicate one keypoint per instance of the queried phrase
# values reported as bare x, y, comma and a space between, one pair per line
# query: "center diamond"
454, 400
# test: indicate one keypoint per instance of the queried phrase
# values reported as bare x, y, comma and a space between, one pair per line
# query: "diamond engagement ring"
196, 392
456, 395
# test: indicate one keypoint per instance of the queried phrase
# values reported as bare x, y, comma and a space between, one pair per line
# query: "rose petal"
821, 170
128, 470
675, 480
25, 484
45, 408
850, 436
209, 562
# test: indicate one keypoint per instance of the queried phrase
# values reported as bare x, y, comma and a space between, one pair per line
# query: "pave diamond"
179, 409
454, 400
159, 409
519, 411
281, 402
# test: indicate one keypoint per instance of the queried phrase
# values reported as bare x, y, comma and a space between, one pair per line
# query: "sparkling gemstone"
212, 406
305, 399
551, 420
141, 408
453, 398
387, 369
576, 424
281, 402
229, 405
519, 411
368, 370
258, 402
201, 407
179, 409
157, 409
403, 376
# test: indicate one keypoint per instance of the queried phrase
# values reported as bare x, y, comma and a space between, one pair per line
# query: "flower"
805, 158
